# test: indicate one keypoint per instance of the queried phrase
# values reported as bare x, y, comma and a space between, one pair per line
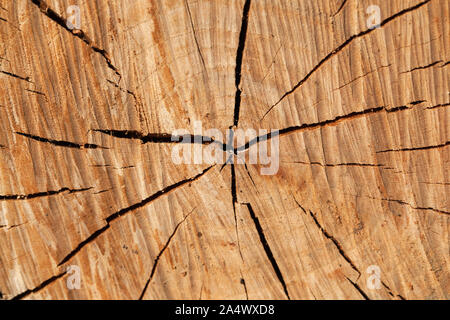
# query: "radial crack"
438, 146
53, 15
390, 291
423, 67
267, 249
340, 7
330, 237
345, 164
245, 286
416, 208
357, 287
340, 48
439, 105
234, 199
61, 143
129, 209
320, 124
155, 263
158, 137
27, 79
40, 194
194, 33
239, 58
39, 287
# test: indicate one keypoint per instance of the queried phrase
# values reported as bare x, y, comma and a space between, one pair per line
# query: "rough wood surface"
364, 149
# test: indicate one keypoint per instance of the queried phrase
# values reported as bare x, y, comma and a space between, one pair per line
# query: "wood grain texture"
364, 149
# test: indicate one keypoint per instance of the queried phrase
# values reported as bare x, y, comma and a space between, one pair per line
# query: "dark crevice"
438, 183
137, 102
439, 105
36, 92
320, 124
102, 191
405, 203
400, 108
234, 199
416, 208
131, 93
27, 79
299, 205
362, 76
155, 263
239, 58
357, 287
157, 137
417, 102
345, 164
53, 15
442, 145
245, 287
61, 143
195, 33
340, 7
128, 209
341, 47
390, 292
267, 249
423, 67
39, 287
40, 194
249, 175
335, 242
233, 186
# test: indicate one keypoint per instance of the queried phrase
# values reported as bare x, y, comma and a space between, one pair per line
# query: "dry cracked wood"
87, 180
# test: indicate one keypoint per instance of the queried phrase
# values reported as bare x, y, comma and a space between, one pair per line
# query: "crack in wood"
54, 16
344, 164
423, 67
129, 209
439, 105
39, 287
158, 137
27, 79
438, 146
194, 32
391, 293
242, 281
340, 7
267, 249
61, 143
320, 124
239, 58
41, 194
340, 48
155, 263
330, 237
357, 287
362, 76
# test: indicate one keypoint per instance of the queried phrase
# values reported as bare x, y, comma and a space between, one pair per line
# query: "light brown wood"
363, 177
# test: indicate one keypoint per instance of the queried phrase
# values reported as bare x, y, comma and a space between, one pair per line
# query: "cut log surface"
358, 208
